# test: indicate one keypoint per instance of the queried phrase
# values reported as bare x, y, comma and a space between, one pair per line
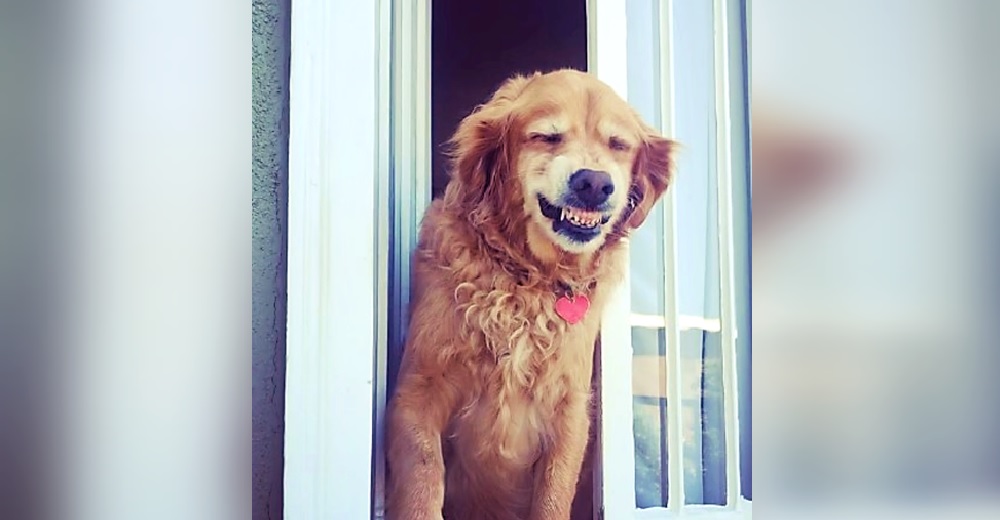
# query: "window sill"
743, 510
684, 323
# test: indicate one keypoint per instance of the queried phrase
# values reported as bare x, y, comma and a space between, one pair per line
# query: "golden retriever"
491, 414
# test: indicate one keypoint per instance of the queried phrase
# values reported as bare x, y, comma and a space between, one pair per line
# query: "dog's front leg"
559, 468
416, 418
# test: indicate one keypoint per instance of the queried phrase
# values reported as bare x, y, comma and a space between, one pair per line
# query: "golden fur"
491, 414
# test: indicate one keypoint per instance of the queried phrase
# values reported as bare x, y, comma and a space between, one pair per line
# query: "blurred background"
874, 292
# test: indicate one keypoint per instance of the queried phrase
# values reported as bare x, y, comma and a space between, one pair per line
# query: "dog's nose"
591, 187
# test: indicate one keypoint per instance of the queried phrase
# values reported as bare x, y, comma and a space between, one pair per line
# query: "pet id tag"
572, 309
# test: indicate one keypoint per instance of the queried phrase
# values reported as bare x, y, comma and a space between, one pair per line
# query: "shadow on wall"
477, 45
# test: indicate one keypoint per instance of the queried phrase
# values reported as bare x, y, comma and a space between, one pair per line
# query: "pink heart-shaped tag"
572, 309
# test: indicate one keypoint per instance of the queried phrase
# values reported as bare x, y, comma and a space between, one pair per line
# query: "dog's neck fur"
508, 238
537, 262
548, 254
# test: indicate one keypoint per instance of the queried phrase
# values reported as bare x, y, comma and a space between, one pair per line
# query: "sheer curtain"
697, 246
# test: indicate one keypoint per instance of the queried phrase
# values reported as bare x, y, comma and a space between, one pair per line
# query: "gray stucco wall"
270, 42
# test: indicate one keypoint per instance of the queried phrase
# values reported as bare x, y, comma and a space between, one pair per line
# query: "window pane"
698, 262
702, 412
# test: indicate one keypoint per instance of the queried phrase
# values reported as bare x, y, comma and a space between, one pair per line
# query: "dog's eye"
547, 138
617, 144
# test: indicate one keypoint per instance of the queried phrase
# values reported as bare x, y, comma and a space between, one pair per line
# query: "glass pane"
704, 447
702, 412
649, 412
697, 246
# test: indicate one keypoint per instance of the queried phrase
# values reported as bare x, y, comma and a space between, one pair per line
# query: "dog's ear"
651, 174
479, 149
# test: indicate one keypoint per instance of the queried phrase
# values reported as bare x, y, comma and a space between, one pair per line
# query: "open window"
676, 336
678, 331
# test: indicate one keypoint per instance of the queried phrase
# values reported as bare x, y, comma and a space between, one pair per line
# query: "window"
348, 285
685, 305
682, 330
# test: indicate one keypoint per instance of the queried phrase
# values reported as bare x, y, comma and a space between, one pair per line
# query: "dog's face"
568, 153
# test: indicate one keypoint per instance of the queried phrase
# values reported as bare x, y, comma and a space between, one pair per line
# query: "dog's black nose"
591, 187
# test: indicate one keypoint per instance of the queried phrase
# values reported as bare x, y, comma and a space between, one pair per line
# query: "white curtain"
698, 284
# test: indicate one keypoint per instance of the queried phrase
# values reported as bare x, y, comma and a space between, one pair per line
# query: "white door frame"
337, 136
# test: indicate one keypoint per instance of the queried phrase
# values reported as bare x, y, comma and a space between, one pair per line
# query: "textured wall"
270, 209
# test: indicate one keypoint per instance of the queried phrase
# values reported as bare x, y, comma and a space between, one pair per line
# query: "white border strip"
673, 368
607, 49
331, 303
727, 282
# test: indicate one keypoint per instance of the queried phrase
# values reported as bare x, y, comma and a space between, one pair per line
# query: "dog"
514, 265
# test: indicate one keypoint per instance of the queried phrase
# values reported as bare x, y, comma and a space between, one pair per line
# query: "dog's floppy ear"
479, 148
651, 174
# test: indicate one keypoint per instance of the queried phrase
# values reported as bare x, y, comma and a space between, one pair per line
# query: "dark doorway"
475, 46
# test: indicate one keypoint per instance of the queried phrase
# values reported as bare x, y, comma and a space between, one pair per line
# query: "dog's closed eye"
552, 138
618, 144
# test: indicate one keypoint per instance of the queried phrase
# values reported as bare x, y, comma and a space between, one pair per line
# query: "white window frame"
338, 306
408, 170
338, 143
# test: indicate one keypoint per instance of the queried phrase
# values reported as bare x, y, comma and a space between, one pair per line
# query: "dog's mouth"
573, 222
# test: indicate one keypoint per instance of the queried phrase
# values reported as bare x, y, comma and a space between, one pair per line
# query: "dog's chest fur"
527, 362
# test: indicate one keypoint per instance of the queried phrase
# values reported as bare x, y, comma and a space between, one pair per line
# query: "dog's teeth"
581, 217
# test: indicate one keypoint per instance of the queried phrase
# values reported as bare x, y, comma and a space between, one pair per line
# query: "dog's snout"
592, 187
